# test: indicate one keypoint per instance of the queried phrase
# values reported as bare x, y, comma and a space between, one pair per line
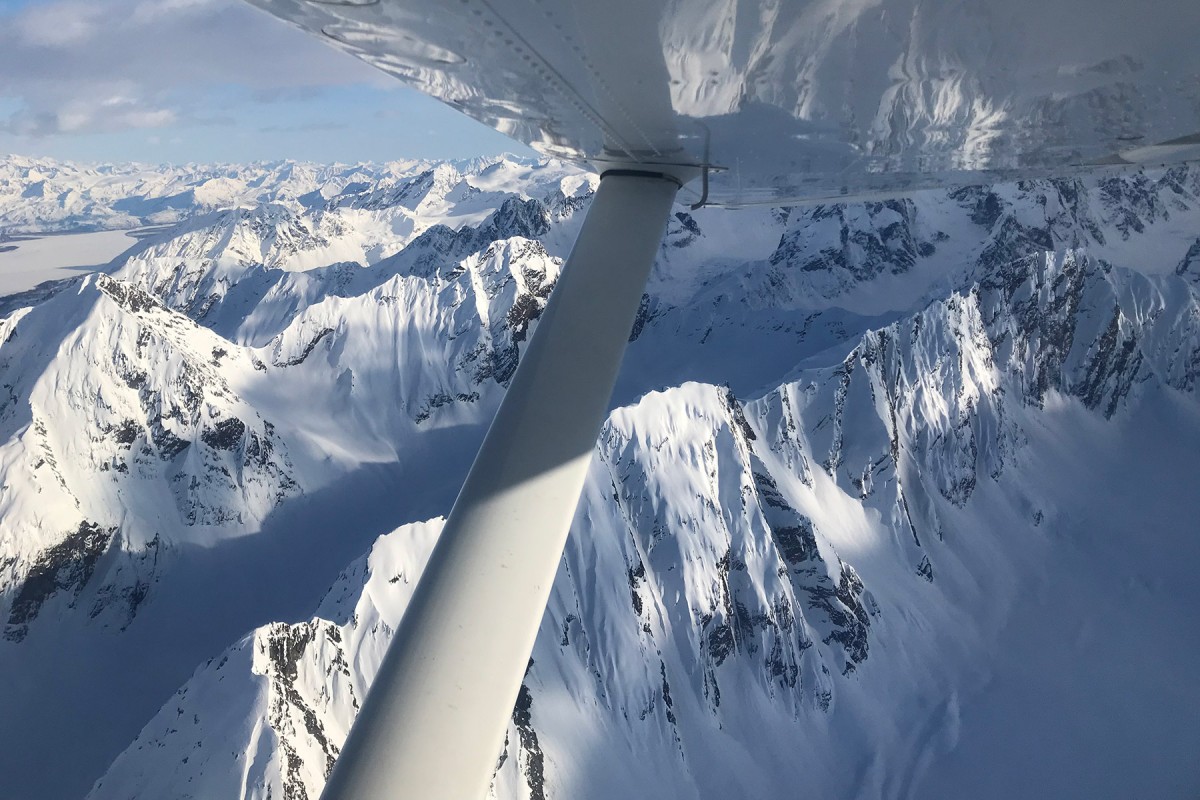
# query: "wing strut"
433, 723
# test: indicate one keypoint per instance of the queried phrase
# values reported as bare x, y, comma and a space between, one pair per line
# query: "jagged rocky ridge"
701, 599
121, 424
755, 567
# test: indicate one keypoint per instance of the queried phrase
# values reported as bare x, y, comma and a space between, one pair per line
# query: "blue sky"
205, 81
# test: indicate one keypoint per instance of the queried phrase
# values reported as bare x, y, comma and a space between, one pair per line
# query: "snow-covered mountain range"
41, 194
896, 499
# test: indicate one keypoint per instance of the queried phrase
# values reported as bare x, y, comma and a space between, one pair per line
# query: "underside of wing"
793, 100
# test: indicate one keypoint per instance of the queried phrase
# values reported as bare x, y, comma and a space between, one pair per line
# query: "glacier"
896, 499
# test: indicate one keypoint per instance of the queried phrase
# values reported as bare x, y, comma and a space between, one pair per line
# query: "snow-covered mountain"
894, 497
40, 194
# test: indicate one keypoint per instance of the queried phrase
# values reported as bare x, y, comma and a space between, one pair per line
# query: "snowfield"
895, 500
27, 262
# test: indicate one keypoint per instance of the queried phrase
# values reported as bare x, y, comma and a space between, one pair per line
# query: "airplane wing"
795, 100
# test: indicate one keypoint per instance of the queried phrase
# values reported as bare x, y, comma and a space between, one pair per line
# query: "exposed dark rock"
286, 646
925, 569
534, 760
125, 594
525, 309
648, 309
636, 576
1190, 263
720, 642
439, 249
169, 445
792, 531
984, 204
848, 617
880, 240
66, 567
126, 433
128, 296
682, 230
1112, 368
738, 415
226, 434
308, 348
666, 693
440, 400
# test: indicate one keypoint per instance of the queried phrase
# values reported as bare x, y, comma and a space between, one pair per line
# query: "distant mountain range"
40, 194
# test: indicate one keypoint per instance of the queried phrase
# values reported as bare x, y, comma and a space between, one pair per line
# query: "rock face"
828, 487
130, 418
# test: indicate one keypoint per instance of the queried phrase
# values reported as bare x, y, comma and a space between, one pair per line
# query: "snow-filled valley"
895, 499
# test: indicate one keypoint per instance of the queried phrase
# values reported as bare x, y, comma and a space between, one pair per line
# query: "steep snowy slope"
792, 566
799, 595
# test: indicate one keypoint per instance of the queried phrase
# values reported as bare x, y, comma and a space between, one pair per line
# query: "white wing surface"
792, 100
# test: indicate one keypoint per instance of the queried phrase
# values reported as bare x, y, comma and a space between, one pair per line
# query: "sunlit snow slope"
896, 499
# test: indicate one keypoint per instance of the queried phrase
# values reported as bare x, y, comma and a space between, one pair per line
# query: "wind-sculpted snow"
823, 490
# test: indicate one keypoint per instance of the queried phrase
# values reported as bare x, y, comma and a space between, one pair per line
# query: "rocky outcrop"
65, 568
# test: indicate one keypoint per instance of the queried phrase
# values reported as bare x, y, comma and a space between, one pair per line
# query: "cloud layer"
73, 67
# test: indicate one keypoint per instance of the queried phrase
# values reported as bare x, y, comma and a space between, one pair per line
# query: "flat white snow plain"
895, 500
27, 261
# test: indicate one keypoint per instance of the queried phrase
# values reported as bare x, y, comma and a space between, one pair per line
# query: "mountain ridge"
817, 500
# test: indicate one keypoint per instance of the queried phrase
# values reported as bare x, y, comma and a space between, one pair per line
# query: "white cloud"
102, 108
75, 67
